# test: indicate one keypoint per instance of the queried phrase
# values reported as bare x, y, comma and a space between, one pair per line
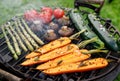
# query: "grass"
9, 8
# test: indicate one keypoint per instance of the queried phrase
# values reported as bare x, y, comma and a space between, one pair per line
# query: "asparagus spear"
32, 34
16, 46
28, 36
24, 38
18, 38
9, 45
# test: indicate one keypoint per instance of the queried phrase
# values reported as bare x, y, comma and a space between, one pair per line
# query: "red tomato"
45, 17
58, 13
47, 9
30, 14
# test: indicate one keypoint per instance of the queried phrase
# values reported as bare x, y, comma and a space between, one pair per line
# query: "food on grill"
32, 34
65, 31
65, 21
50, 35
11, 48
78, 19
103, 34
72, 57
45, 17
58, 13
53, 26
29, 46
47, 9
31, 15
27, 35
56, 53
83, 66
15, 42
50, 46
18, 39
53, 45
51, 55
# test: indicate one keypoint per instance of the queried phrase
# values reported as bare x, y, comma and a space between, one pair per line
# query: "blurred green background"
9, 8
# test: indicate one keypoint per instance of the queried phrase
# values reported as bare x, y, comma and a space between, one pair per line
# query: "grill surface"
29, 73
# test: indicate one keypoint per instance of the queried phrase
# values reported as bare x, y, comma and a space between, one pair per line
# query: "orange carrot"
51, 55
50, 46
87, 65
69, 58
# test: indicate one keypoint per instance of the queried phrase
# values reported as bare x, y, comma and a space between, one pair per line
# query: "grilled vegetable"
16, 46
27, 35
50, 35
53, 54
53, 26
53, 45
65, 31
78, 19
23, 37
103, 33
18, 39
64, 21
58, 13
9, 44
84, 66
32, 34
75, 56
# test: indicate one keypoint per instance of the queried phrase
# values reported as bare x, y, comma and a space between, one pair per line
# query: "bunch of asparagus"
21, 36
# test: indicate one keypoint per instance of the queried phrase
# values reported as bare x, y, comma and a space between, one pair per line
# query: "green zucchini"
102, 33
77, 19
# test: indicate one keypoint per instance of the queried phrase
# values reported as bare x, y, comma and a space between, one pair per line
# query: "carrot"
50, 46
55, 53
84, 66
51, 55
53, 45
69, 58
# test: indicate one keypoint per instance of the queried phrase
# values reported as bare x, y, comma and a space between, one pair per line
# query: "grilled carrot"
50, 46
51, 55
54, 44
69, 58
87, 65
55, 53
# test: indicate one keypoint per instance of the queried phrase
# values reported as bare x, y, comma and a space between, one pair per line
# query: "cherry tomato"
30, 14
47, 9
58, 13
45, 17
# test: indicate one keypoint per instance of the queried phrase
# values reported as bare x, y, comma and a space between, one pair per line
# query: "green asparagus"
23, 37
19, 39
28, 36
32, 34
9, 44
16, 46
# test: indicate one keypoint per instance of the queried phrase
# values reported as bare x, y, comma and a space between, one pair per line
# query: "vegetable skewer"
28, 36
32, 34
16, 46
18, 38
24, 38
53, 45
87, 65
9, 45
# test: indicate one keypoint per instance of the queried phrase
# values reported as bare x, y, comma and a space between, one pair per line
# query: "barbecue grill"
29, 74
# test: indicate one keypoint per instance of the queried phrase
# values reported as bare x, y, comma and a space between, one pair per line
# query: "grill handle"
89, 4
9, 76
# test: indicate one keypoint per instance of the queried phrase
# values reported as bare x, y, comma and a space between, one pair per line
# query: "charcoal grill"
29, 74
